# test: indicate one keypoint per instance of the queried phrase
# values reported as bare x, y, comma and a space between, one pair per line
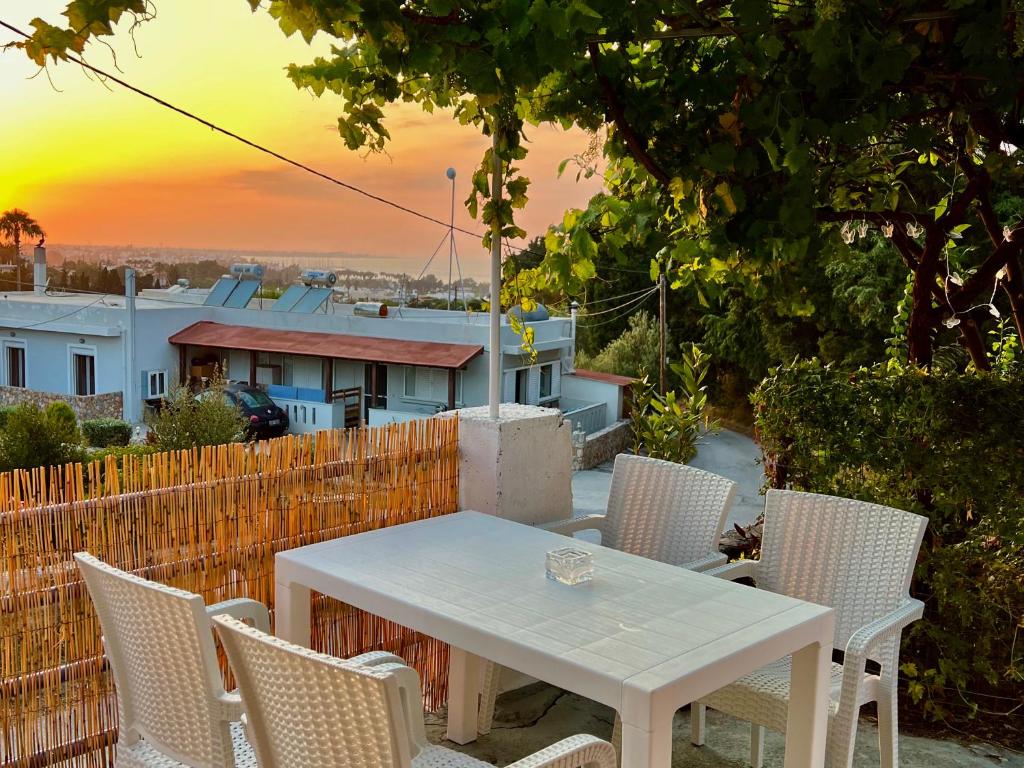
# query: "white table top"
640, 627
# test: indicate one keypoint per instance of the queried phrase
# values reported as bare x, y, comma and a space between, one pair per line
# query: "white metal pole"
133, 387
494, 383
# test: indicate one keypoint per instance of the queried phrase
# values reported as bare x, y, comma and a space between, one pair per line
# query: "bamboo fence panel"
208, 520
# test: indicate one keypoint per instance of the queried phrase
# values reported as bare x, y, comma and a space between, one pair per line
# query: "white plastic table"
643, 637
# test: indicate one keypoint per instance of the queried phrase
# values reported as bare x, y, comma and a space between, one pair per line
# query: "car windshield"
253, 398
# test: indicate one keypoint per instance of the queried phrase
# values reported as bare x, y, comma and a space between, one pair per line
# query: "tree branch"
637, 145
984, 278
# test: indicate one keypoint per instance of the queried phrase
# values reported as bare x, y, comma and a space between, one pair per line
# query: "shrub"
33, 437
102, 433
186, 419
634, 353
945, 445
119, 452
6, 411
668, 426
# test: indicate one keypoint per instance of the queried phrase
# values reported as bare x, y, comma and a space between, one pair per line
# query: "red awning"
607, 378
368, 349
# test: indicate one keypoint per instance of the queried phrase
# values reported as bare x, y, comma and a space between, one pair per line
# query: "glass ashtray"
570, 565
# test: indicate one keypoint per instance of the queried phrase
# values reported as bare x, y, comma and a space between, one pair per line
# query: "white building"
327, 366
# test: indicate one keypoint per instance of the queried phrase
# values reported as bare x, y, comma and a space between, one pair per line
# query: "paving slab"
534, 717
725, 452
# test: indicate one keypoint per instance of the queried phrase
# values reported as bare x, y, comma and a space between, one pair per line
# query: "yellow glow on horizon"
101, 165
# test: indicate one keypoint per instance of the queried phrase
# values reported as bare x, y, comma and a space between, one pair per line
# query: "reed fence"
208, 520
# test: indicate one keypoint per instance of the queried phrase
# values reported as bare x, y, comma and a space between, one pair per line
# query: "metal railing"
585, 417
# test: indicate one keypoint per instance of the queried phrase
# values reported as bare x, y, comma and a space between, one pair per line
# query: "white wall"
47, 359
591, 391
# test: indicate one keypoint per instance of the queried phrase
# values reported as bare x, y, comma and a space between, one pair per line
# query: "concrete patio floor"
726, 453
539, 715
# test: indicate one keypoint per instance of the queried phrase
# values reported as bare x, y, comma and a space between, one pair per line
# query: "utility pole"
494, 367
662, 333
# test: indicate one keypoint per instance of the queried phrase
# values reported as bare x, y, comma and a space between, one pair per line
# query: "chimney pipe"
39, 270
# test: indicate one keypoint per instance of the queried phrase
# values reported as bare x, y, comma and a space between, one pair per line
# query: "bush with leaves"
103, 433
668, 426
187, 419
634, 353
33, 437
944, 445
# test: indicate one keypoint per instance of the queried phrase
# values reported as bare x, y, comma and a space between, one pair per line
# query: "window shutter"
533, 386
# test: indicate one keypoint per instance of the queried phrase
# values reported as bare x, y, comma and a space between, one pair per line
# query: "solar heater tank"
370, 309
322, 278
247, 271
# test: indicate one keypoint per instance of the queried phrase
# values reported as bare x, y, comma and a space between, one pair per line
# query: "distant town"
101, 268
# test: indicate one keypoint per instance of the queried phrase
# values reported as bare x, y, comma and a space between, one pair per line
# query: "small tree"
668, 426
33, 437
14, 225
188, 419
634, 353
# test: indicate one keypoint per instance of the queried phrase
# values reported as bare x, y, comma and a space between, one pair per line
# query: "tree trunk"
920, 331
970, 337
1014, 287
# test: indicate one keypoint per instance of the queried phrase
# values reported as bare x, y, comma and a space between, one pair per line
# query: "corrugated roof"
608, 378
369, 349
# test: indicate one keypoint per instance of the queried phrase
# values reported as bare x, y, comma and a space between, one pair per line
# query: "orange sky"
104, 166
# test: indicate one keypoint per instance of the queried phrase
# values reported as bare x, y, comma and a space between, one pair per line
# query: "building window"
410, 381
14, 364
83, 371
459, 387
156, 385
546, 378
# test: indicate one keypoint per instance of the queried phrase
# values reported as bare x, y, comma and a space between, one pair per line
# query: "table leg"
807, 723
292, 615
647, 749
463, 695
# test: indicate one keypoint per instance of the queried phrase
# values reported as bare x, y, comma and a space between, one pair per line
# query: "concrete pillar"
39, 270
518, 466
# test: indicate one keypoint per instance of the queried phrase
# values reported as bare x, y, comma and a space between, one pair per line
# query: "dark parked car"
266, 418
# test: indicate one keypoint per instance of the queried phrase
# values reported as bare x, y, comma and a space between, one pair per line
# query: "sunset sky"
99, 165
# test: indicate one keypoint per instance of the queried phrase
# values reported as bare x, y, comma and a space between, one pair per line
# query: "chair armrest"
581, 751
375, 658
243, 608
867, 637
573, 524
412, 701
887, 628
230, 704
703, 564
738, 569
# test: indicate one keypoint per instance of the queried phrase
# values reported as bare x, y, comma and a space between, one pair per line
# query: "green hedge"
947, 446
103, 433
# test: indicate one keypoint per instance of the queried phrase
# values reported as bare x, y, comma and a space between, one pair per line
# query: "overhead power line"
282, 157
248, 142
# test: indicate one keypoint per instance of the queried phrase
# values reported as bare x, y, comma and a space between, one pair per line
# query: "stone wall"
107, 405
606, 444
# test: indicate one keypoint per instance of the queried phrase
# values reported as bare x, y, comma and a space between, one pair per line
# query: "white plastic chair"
172, 706
657, 509
307, 710
661, 510
857, 558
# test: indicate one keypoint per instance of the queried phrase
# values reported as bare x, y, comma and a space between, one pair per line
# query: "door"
375, 388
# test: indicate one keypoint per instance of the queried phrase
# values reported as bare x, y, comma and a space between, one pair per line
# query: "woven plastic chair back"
307, 710
665, 511
164, 662
853, 556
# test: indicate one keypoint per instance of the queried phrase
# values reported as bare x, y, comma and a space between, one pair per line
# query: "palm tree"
14, 225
